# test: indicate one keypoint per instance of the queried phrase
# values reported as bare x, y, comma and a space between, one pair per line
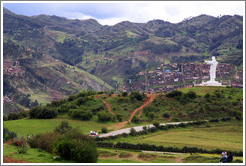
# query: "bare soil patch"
7, 159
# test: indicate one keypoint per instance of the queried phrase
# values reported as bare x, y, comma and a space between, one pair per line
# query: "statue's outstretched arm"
209, 62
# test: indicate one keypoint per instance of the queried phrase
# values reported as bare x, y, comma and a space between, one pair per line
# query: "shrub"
64, 108
119, 117
124, 134
137, 95
76, 146
43, 141
104, 116
97, 109
152, 129
135, 119
156, 124
214, 120
124, 94
21, 145
151, 115
5, 117
13, 116
41, 112
63, 127
166, 115
239, 118
104, 129
125, 155
174, 94
191, 95
133, 132
7, 135
23, 114
176, 119
150, 108
80, 114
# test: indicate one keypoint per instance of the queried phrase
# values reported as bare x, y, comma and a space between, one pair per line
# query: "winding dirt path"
170, 118
150, 98
109, 108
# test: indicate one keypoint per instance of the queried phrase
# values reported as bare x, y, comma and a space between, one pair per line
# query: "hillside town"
173, 76
10, 68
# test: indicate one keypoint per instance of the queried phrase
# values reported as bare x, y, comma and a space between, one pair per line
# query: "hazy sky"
111, 13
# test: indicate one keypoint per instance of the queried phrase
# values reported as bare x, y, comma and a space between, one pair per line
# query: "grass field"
34, 126
204, 90
32, 155
224, 135
109, 155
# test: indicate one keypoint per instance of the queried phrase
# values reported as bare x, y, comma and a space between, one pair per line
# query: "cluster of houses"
12, 69
173, 76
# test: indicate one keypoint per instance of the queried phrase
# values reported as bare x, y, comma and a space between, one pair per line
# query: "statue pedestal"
210, 83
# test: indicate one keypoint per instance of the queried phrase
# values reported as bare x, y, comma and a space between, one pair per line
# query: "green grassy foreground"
23, 127
108, 155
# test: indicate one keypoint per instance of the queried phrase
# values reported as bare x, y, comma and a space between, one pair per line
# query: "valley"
83, 54
77, 91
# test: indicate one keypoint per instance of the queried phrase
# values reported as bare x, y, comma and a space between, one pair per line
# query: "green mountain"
85, 53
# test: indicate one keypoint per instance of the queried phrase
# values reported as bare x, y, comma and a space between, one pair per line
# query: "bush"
80, 114
150, 108
125, 155
76, 146
137, 95
135, 119
166, 115
7, 135
104, 129
44, 141
41, 112
133, 132
23, 114
156, 124
5, 117
151, 115
174, 94
21, 145
104, 116
13, 116
63, 127
191, 95
119, 117
124, 135
124, 94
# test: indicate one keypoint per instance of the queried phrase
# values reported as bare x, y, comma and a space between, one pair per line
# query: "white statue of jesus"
213, 64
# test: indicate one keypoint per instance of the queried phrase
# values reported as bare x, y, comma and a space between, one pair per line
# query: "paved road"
137, 128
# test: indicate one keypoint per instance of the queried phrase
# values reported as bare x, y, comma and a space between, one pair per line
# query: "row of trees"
145, 146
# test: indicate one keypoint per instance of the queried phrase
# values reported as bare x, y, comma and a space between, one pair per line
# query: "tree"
13, 116
104, 116
174, 94
135, 119
191, 95
41, 112
63, 127
151, 115
133, 132
156, 124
